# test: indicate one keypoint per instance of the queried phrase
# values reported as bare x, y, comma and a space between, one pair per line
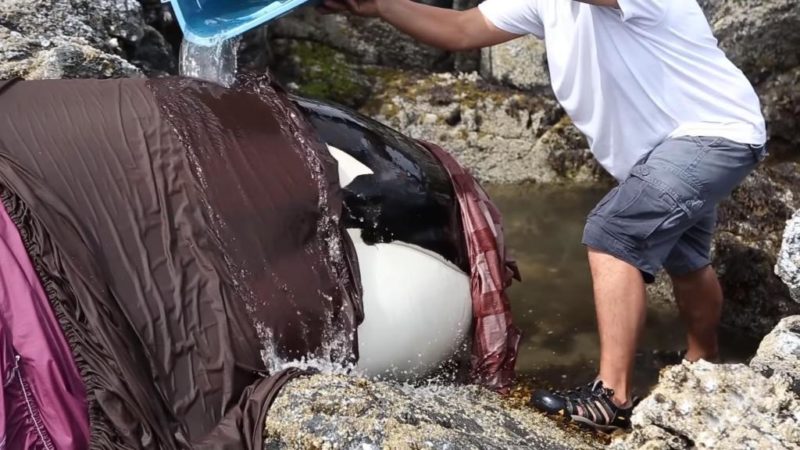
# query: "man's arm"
439, 27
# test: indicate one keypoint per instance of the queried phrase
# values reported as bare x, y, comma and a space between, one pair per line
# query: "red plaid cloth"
495, 338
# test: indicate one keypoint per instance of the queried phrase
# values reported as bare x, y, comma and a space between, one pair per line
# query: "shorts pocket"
645, 209
645, 206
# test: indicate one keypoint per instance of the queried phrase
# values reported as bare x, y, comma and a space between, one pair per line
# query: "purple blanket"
43, 397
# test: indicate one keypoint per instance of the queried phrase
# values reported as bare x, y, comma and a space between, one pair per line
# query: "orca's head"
399, 193
403, 218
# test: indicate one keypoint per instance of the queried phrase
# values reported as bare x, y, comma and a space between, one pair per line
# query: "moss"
323, 73
436, 89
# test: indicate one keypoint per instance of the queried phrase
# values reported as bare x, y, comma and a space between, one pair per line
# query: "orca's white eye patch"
349, 167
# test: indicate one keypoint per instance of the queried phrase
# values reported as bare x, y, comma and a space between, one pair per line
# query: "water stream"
215, 63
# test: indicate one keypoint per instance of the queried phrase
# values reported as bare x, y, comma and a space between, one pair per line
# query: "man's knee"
690, 276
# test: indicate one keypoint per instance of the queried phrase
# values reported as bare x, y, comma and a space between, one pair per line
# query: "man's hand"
364, 8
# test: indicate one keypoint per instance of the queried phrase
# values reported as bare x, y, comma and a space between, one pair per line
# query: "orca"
402, 215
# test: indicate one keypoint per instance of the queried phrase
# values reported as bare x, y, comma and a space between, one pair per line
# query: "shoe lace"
589, 392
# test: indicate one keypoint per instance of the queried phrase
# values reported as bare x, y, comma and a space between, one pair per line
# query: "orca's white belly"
417, 305
417, 308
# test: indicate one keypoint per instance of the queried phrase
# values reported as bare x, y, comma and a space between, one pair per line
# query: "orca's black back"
409, 198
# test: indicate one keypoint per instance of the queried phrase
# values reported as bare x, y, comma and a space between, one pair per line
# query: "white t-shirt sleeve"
514, 16
644, 12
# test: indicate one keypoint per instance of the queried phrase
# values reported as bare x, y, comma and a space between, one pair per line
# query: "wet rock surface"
703, 405
329, 411
779, 353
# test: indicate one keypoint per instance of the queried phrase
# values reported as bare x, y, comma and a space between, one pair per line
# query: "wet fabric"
183, 234
43, 401
495, 339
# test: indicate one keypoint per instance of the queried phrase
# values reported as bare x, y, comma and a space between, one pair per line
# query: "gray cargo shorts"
663, 215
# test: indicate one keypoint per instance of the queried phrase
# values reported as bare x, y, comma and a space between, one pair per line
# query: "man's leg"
697, 289
637, 226
619, 295
699, 297
628, 235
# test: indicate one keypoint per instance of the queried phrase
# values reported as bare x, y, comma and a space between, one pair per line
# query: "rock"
788, 267
317, 71
703, 405
365, 40
780, 101
520, 63
57, 58
467, 61
760, 37
334, 411
568, 154
503, 135
746, 246
779, 353
79, 38
651, 437
745, 251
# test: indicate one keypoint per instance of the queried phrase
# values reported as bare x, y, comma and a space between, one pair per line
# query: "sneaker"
590, 405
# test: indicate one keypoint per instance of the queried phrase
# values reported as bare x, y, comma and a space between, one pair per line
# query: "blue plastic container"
206, 22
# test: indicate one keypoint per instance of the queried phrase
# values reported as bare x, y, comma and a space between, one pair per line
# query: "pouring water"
215, 63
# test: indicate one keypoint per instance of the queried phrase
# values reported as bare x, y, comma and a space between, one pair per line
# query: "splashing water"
216, 63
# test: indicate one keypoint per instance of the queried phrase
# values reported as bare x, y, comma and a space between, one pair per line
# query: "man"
667, 114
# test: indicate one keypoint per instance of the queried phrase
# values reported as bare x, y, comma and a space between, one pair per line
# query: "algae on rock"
334, 411
317, 71
501, 134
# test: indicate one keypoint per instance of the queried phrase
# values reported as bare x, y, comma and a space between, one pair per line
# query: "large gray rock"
520, 63
761, 37
750, 231
57, 58
709, 406
780, 100
365, 40
779, 352
79, 38
788, 267
340, 412
503, 135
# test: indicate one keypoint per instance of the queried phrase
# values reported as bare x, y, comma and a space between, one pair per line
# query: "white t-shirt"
631, 77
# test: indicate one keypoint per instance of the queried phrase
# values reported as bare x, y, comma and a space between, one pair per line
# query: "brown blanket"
173, 222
